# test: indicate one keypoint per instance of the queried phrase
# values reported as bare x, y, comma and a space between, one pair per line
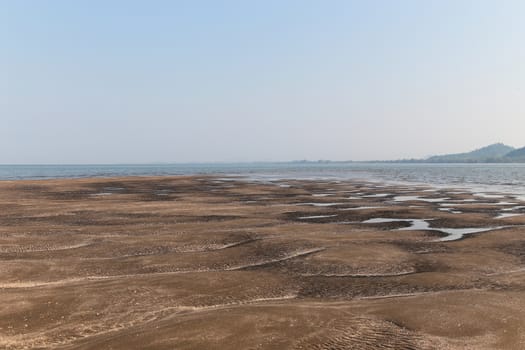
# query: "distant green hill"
518, 154
493, 153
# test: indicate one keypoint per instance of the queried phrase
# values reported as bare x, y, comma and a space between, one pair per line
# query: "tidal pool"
423, 224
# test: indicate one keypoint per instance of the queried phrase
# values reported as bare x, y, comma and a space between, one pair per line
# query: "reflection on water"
316, 217
453, 234
507, 215
418, 198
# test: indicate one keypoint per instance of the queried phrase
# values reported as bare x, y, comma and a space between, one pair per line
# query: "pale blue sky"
194, 81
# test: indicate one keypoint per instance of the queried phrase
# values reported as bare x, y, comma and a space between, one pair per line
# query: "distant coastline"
495, 153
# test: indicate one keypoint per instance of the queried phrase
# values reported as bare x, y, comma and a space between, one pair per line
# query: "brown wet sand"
210, 263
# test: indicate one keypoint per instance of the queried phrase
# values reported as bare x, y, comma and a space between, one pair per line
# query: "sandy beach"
206, 262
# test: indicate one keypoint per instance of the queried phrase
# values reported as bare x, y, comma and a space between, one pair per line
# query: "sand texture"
221, 263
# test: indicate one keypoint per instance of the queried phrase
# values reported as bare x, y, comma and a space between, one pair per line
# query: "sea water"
480, 178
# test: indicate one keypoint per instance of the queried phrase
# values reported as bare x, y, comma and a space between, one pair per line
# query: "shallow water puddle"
362, 208
467, 200
451, 210
466, 205
419, 198
415, 224
423, 224
514, 208
377, 195
320, 204
489, 195
316, 217
507, 215
458, 233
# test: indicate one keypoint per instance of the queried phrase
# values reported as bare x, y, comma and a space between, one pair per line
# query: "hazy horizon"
242, 161
97, 82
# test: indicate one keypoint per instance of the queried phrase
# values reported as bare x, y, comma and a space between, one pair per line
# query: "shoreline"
480, 178
475, 188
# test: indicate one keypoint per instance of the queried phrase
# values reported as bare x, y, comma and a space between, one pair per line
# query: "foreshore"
211, 262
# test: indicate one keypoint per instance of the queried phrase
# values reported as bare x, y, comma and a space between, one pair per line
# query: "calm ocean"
509, 178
